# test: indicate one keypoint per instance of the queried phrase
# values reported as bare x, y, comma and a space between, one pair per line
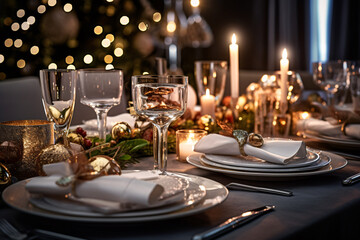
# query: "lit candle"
234, 68
208, 104
284, 68
186, 148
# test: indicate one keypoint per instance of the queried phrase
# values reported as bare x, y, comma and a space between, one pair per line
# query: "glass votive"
185, 142
296, 117
281, 125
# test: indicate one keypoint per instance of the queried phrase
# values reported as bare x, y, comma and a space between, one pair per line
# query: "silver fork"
11, 231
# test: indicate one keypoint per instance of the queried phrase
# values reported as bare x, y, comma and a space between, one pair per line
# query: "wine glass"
161, 100
101, 90
332, 77
58, 88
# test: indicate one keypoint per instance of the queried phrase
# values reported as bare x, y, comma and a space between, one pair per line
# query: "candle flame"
264, 78
207, 93
195, 3
304, 115
233, 38
284, 54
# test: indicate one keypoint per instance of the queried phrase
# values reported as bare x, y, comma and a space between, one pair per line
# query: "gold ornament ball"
206, 122
106, 165
255, 140
75, 138
121, 130
52, 154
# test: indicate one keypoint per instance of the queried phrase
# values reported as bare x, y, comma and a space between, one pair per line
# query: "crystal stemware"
211, 75
58, 96
101, 90
332, 77
161, 100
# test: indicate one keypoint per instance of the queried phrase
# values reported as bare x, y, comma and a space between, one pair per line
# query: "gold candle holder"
185, 142
21, 142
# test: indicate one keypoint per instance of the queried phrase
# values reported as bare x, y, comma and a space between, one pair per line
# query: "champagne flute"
58, 97
101, 90
161, 100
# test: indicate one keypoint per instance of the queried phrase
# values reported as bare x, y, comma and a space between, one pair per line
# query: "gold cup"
21, 142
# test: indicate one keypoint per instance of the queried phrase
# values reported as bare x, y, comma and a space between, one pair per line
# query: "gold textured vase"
20, 143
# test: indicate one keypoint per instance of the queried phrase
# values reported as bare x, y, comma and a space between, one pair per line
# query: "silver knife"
238, 186
55, 235
233, 223
352, 179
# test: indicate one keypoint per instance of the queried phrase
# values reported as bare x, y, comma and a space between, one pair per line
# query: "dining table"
321, 207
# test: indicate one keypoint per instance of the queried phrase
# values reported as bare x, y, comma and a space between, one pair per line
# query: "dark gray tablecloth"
321, 208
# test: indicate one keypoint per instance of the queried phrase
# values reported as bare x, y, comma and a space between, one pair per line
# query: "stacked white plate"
257, 169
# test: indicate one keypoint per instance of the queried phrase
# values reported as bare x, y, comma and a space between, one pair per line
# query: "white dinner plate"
319, 164
337, 162
341, 141
17, 197
253, 162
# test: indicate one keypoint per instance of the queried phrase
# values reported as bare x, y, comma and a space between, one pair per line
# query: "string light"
118, 52
88, 59
142, 27
8, 42
21, 63
2, 58
124, 20
109, 67
108, 59
157, 17
25, 26
18, 43
69, 59
52, 3
105, 43
20, 13
31, 20
41, 9
7, 21
98, 30
52, 66
68, 7
15, 26
34, 50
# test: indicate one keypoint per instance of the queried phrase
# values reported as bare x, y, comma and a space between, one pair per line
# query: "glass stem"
61, 136
101, 115
160, 147
330, 99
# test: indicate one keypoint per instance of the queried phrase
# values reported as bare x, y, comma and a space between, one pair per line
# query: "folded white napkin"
111, 121
319, 126
142, 189
325, 128
274, 150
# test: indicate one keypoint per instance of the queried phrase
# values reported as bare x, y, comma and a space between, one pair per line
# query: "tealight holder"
21, 142
281, 125
185, 142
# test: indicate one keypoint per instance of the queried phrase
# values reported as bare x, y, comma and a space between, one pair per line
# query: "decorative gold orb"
255, 140
75, 138
121, 130
52, 154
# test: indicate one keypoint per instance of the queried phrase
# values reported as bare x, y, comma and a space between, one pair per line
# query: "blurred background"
131, 34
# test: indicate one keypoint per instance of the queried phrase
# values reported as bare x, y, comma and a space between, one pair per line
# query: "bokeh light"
69, 59
110, 37
41, 9
52, 3
98, 30
157, 17
108, 59
118, 52
52, 66
2, 58
88, 59
109, 67
195, 3
8, 42
68, 7
20, 13
21, 63
31, 20
105, 43
15, 26
34, 50
25, 26
72, 67
124, 20
142, 26
18, 43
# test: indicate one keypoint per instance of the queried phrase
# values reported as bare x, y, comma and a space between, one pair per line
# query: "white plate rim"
337, 162
203, 205
326, 139
264, 164
318, 164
